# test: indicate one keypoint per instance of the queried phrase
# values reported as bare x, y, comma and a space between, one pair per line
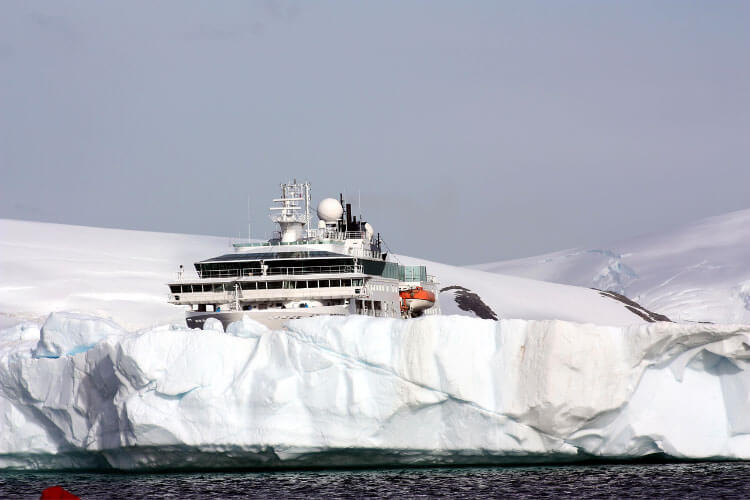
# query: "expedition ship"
337, 268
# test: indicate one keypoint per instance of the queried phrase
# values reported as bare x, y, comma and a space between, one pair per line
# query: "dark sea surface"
663, 480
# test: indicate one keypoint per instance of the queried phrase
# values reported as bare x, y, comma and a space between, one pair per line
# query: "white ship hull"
272, 318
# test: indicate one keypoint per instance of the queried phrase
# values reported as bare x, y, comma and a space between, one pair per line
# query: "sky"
470, 131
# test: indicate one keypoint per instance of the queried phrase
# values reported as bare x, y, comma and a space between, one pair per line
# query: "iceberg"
353, 391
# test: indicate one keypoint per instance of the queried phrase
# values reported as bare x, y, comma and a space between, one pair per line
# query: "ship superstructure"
336, 268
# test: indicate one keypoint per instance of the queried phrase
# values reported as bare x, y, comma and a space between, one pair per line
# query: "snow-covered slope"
82, 391
700, 272
122, 275
364, 391
522, 298
113, 273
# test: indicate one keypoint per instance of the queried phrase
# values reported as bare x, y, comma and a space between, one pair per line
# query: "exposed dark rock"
470, 301
634, 307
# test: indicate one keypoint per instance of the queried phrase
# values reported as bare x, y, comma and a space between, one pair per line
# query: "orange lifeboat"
416, 300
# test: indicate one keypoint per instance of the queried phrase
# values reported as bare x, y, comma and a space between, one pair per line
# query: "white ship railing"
314, 237
280, 271
271, 294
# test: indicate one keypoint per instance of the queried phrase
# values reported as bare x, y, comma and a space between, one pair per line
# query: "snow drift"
364, 391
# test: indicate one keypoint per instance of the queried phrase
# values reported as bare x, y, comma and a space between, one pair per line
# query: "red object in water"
57, 493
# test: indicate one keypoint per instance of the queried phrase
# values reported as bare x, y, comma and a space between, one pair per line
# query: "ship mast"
292, 218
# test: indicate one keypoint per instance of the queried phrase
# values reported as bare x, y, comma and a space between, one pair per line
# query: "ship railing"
314, 237
229, 296
321, 234
220, 297
280, 271
338, 235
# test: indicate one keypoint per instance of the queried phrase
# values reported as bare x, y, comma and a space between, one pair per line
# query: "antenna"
307, 204
359, 203
249, 238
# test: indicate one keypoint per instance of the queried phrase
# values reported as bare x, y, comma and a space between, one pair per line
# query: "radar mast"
292, 217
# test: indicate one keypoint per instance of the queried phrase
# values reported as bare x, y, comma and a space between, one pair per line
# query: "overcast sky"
475, 131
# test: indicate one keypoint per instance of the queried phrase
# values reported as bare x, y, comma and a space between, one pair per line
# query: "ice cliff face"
356, 391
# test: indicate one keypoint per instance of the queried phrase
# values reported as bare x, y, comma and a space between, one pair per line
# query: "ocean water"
663, 480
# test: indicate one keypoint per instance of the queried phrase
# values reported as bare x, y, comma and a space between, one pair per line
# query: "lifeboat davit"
417, 299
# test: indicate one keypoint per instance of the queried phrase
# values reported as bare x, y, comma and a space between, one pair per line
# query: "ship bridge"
238, 265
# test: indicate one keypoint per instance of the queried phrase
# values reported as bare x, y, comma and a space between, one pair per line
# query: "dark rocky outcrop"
471, 302
634, 307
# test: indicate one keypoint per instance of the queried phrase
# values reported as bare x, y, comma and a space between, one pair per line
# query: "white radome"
330, 210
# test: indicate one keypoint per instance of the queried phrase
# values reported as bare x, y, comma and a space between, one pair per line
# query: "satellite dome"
330, 210
369, 231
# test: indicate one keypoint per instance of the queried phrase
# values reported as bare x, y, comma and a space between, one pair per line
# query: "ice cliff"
80, 392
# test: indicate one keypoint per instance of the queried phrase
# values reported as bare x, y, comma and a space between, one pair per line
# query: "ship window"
335, 282
249, 285
175, 288
289, 284
261, 285
312, 284
302, 284
346, 282
218, 287
357, 282
272, 285
323, 283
